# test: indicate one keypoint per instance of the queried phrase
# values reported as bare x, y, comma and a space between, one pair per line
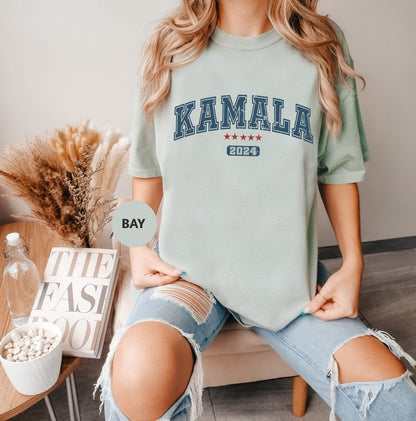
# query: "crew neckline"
242, 42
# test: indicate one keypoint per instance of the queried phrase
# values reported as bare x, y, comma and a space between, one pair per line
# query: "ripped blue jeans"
307, 344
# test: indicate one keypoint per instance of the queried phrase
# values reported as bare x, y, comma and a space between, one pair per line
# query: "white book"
76, 294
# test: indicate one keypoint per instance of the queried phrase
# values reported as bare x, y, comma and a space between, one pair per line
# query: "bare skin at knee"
151, 368
365, 358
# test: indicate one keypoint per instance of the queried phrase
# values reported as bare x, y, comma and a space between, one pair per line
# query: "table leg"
70, 399
50, 408
75, 396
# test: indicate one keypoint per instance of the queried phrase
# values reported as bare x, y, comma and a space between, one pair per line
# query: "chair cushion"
220, 370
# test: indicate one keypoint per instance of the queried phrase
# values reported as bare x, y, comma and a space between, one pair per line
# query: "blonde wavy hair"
186, 31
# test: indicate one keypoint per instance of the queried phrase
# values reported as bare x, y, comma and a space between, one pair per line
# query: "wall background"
63, 61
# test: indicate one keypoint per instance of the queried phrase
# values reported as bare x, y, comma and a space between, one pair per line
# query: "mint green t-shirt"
241, 143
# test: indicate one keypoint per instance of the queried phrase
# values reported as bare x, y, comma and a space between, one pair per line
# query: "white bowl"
40, 374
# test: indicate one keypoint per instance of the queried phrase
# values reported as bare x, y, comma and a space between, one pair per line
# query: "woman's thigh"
195, 313
308, 345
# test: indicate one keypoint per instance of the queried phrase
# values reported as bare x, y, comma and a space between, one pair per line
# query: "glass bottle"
20, 278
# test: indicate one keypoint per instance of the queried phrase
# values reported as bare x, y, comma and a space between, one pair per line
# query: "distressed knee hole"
194, 388
150, 369
366, 358
366, 390
190, 296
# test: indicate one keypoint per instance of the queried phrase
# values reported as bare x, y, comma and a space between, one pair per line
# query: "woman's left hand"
339, 297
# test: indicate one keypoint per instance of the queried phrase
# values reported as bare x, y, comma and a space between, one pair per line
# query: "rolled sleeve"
343, 160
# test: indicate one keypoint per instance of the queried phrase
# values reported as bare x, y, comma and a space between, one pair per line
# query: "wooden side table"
40, 240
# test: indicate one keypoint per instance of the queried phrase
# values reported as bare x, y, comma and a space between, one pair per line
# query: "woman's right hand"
148, 269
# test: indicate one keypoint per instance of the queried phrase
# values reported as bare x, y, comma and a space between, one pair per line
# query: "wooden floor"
388, 302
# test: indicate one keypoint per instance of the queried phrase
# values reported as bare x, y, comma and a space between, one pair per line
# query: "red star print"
234, 136
227, 136
251, 137
258, 137
243, 137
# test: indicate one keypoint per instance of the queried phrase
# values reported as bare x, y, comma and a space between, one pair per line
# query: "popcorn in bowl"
29, 345
31, 356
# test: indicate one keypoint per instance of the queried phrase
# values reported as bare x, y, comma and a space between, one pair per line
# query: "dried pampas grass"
69, 188
71, 142
111, 155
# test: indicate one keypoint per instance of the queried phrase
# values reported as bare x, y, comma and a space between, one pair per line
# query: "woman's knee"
366, 358
151, 368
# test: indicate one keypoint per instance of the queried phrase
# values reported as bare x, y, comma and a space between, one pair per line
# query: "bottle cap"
13, 238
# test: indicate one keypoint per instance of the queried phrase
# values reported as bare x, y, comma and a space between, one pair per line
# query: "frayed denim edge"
195, 385
197, 316
394, 347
